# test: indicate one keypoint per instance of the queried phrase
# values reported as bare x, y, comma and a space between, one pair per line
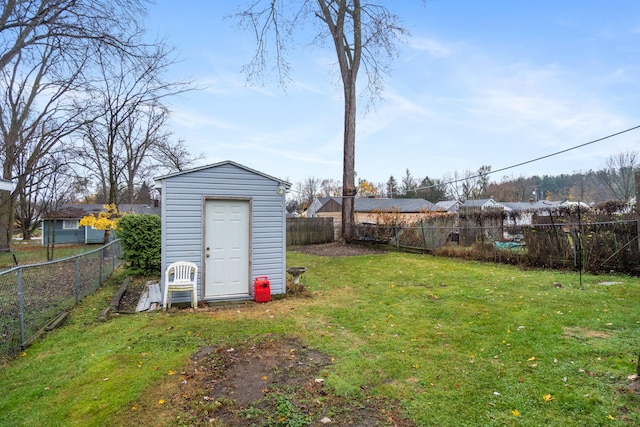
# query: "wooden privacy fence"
308, 231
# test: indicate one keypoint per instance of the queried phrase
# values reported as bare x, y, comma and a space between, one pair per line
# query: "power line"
530, 161
521, 163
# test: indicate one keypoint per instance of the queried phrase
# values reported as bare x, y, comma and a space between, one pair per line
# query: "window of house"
70, 224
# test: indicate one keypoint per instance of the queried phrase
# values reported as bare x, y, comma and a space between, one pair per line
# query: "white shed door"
226, 241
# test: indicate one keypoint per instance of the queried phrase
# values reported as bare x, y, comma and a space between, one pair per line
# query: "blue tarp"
508, 245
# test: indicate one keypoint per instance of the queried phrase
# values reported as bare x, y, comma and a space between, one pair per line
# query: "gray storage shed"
230, 221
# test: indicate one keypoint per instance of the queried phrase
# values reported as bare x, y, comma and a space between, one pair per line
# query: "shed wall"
182, 215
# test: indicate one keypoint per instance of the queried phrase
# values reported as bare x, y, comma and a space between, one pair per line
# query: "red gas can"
262, 289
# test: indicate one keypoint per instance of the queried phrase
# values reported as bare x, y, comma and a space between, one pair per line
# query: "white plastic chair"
181, 276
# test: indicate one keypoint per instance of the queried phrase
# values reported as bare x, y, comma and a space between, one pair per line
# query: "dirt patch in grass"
583, 333
337, 249
273, 382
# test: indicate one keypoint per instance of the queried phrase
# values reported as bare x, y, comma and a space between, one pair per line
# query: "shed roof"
226, 162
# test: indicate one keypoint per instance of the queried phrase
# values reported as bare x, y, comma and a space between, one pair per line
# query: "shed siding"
183, 198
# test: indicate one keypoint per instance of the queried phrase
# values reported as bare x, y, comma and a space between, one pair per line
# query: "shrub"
141, 242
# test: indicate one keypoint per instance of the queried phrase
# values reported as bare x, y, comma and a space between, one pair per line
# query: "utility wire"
528, 161
519, 164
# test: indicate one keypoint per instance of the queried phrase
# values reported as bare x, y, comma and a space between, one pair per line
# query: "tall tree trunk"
637, 182
348, 164
348, 49
7, 198
6, 220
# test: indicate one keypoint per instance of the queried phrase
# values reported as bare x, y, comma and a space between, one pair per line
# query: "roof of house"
531, 206
478, 203
581, 204
79, 210
366, 204
388, 205
447, 205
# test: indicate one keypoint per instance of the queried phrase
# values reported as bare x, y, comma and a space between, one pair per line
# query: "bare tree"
35, 115
125, 120
511, 189
35, 23
49, 187
58, 191
468, 184
45, 53
142, 130
617, 176
330, 188
169, 157
453, 180
361, 34
307, 191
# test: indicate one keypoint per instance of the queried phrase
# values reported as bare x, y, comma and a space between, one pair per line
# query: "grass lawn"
455, 343
33, 252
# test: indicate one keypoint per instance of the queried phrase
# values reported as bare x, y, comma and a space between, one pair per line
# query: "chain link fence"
32, 296
595, 247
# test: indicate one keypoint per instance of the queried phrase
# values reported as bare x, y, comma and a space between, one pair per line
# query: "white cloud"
431, 46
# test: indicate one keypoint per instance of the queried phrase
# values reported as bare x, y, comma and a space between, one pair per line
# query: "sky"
475, 83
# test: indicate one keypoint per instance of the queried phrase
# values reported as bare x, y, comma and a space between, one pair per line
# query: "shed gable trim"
226, 162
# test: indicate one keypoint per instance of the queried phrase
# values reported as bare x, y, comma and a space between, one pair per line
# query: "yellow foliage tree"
367, 189
106, 220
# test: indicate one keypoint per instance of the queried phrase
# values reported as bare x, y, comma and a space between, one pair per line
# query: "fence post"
21, 308
101, 263
77, 280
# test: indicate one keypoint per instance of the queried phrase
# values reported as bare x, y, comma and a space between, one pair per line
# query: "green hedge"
141, 242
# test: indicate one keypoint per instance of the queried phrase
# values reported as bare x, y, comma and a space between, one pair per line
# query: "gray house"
230, 221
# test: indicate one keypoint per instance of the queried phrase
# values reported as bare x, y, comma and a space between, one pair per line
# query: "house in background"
407, 210
327, 204
319, 202
369, 210
526, 210
481, 204
63, 225
230, 221
450, 206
